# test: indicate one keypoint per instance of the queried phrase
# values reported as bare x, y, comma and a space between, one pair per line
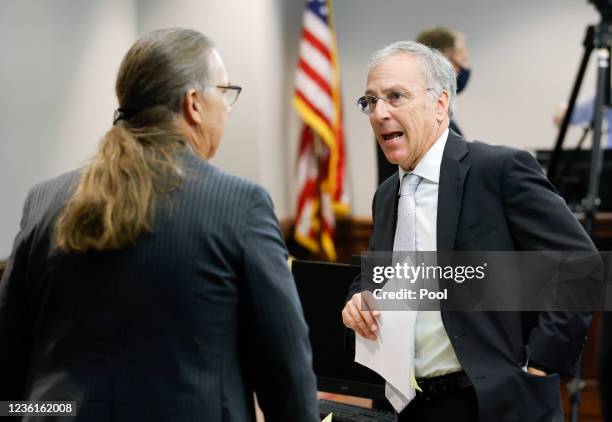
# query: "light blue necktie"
405, 230
405, 241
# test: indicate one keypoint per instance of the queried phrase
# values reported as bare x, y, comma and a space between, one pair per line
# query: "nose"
381, 111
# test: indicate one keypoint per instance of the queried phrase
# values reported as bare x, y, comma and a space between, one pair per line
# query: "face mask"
462, 79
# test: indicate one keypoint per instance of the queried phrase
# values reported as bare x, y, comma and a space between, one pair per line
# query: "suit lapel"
450, 191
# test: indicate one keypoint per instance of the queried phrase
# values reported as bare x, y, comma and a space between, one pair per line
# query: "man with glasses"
454, 195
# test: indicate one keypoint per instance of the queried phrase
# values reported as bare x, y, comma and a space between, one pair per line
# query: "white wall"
57, 69
59, 61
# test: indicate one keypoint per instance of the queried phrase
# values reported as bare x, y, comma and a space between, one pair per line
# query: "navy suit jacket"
182, 326
494, 198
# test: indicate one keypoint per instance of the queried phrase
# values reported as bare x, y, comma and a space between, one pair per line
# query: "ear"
192, 107
441, 106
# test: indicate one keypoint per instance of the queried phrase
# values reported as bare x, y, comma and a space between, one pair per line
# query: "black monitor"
323, 288
573, 169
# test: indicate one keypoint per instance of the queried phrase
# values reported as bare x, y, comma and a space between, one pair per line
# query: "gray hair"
438, 72
160, 68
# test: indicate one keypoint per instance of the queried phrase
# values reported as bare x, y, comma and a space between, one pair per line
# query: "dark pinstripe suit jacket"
182, 326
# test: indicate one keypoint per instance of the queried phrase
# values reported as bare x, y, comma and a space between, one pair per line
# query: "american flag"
321, 156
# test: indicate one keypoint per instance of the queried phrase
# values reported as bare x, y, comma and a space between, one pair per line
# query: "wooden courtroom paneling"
352, 235
2, 267
602, 229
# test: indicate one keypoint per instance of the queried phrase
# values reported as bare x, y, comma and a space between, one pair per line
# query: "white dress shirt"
434, 354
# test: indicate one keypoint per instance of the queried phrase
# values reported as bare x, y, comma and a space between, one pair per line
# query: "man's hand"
536, 372
363, 322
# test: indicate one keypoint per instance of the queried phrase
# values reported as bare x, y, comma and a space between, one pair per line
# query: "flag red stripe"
313, 234
326, 227
309, 191
306, 140
318, 79
316, 43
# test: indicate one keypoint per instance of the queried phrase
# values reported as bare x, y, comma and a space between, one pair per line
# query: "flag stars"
321, 6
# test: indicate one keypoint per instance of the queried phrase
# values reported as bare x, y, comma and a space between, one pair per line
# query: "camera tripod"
599, 38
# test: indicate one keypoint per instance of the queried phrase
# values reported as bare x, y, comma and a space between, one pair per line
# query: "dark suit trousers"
459, 406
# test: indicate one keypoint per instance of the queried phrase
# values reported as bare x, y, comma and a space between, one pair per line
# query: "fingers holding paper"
359, 316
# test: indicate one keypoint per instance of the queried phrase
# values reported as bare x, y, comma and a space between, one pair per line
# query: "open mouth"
391, 135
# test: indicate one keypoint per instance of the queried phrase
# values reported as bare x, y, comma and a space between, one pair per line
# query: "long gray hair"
117, 194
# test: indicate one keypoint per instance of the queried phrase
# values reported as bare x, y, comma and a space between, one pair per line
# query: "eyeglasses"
395, 99
230, 92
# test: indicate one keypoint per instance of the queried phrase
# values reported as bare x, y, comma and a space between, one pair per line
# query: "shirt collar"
429, 166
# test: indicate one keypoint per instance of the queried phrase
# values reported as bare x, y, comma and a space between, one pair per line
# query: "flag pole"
318, 149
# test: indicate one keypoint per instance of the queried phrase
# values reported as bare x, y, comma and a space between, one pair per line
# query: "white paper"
391, 355
397, 399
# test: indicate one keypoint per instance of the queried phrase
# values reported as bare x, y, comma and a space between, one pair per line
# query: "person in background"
454, 47
583, 115
151, 285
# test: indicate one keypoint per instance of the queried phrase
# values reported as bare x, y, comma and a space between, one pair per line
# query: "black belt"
443, 385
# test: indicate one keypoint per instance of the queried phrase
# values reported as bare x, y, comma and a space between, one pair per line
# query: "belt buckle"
434, 388
430, 390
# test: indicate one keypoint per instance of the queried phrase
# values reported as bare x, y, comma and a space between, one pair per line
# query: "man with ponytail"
150, 285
